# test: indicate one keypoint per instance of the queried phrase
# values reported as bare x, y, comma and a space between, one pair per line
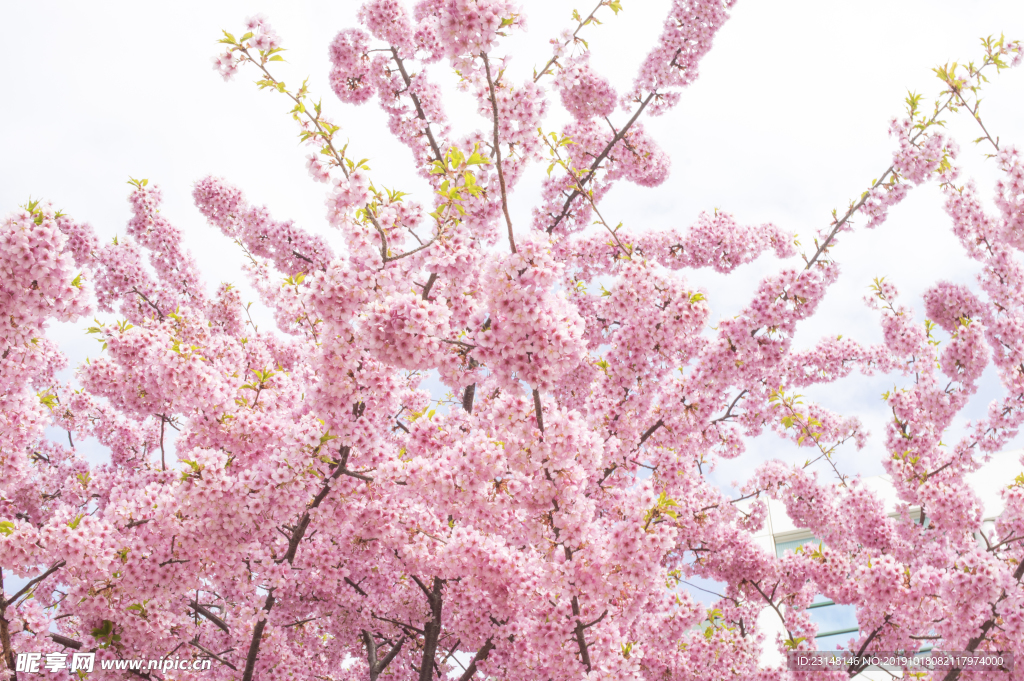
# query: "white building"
837, 624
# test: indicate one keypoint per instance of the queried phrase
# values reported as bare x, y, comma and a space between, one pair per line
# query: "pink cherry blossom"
477, 448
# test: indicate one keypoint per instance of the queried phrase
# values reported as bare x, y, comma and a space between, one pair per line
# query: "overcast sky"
788, 121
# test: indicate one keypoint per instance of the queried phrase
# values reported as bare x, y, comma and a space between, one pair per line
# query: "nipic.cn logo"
38, 663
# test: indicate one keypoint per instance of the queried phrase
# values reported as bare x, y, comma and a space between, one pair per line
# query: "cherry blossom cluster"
477, 448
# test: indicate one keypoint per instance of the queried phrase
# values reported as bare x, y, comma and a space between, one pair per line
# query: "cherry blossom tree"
324, 516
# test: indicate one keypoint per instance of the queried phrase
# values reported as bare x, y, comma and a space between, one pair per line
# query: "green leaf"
6, 528
793, 643
104, 629
77, 281
276, 57
74, 523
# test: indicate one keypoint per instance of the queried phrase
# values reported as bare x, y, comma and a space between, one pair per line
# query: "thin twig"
148, 302
597, 161
582, 23
497, 154
25, 589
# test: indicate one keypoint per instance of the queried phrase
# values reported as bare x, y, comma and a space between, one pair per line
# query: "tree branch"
297, 534
356, 587
378, 666
863, 199
429, 285
597, 161
581, 640
66, 642
582, 23
857, 669
303, 524
194, 643
53, 568
497, 154
431, 629
480, 656
538, 410
419, 108
973, 644
650, 431
148, 302
257, 638
210, 616
467, 398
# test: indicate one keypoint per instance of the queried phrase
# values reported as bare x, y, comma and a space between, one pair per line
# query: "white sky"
788, 121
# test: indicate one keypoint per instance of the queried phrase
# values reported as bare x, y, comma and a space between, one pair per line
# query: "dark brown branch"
986, 626
148, 302
53, 568
650, 431
402, 625
297, 534
480, 656
603, 615
378, 666
429, 285
467, 398
597, 161
497, 154
301, 257
857, 669
301, 622
419, 108
728, 412
356, 587
431, 629
371, 653
221, 624
163, 458
538, 410
863, 199
771, 604
66, 642
195, 644
581, 640
257, 638
358, 476
583, 22
303, 524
